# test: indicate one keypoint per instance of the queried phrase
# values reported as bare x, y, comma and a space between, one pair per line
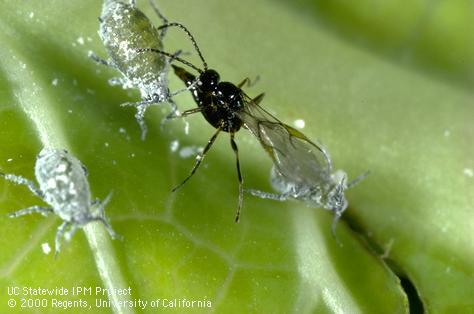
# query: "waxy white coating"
63, 185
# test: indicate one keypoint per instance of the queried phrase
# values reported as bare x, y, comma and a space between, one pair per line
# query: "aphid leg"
174, 109
101, 205
99, 60
199, 159
172, 115
161, 17
258, 98
140, 117
20, 180
96, 202
267, 195
109, 229
117, 81
68, 234
138, 103
158, 12
100, 216
358, 179
141, 106
248, 82
175, 55
84, 169
239, 175
59, 235
30, 210
335, 220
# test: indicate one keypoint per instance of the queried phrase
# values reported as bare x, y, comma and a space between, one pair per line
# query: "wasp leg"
199, 159
190, 112
259, 98
239, 175
176, 114
249, 83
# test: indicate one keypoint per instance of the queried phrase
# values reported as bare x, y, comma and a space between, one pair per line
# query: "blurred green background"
386, 86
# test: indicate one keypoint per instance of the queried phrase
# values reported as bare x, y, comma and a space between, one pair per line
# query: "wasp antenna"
191, 37
173, 56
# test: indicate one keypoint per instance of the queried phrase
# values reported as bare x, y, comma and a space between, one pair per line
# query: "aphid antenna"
158, 11
160, 15
191, 37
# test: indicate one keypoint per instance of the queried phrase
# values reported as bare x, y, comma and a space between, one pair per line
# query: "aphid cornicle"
302, 166
123, 28
63, 184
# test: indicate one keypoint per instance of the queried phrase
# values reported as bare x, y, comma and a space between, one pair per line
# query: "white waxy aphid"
63, 185
327, 193
301, 169
123, 30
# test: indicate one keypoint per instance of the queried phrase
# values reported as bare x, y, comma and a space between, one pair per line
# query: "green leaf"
412, 216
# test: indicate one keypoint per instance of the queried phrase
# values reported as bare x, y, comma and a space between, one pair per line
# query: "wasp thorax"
230, 94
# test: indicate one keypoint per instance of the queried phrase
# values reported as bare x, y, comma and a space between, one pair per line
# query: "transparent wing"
295, 157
